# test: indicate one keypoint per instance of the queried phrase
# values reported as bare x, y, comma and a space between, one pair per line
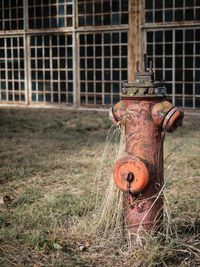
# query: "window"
103, 65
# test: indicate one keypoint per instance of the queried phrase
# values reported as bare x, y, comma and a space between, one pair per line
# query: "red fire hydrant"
146, 115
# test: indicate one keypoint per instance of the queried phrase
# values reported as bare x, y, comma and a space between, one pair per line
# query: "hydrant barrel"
139, 174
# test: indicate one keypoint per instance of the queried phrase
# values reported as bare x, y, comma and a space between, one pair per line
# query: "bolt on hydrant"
139, 174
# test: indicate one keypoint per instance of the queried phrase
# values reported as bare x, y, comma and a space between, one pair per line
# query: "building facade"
78, 52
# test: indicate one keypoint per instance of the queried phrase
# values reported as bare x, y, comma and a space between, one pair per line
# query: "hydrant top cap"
143, 84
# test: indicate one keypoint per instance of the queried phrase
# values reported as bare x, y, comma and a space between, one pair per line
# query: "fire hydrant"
139, 174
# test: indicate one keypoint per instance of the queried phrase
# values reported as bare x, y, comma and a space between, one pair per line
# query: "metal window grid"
103, 65
49, 15
171, 11
175, 52
49, 73
12, 76
11, 15
101, 12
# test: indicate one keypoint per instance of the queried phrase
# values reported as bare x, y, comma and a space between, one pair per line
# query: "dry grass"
49, 162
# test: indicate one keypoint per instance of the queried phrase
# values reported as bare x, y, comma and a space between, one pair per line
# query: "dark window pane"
89, 8
97, 7
106, 38
159, 76
80, 9
106, 50
197, 102
179, 35
168, 75
97, 20
106, 63
106, 6
89, 39
158, 16
179, 62
168, 36
90, 63
89, 20
124, 5
81, 21
124, 63
189, 2
197, 75
168, 49
115, 19
178, 102
197, 49
115, 6
115, 51
178, 49
98, 63
178, 88
168, 62
107, 100
188, 75
98, 51
168, 3
149, 17
178, 3
197, 88
150, 50
158, 49
149, 37
116, 88
188, 102
178, 15
168, 15
188, 62
158, 4
158, 62
188, 88
107, 87
90, 87
197, 62
169, 88
106, 19
189, 49
189, 14
189, 35
178, 75
98, 39
197, 14
159, 36
148, 4
98, 75
124, 18
89, 51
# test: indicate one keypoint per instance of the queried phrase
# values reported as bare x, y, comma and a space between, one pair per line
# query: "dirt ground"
48, 160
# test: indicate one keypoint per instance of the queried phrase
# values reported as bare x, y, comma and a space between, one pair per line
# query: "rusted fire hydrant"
147, 116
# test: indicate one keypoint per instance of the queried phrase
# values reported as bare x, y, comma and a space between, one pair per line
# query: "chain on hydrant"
139, 174
130, 178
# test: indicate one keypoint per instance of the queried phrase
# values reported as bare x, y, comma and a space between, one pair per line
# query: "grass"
48, 161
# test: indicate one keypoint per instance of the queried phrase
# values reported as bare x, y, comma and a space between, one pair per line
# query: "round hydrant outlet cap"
173, 120
133, 167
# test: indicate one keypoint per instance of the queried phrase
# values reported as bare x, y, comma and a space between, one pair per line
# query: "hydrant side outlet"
139, 174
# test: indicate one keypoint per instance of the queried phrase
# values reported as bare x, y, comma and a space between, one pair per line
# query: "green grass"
48, 160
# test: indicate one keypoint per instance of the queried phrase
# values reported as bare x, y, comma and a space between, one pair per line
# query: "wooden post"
134, 40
